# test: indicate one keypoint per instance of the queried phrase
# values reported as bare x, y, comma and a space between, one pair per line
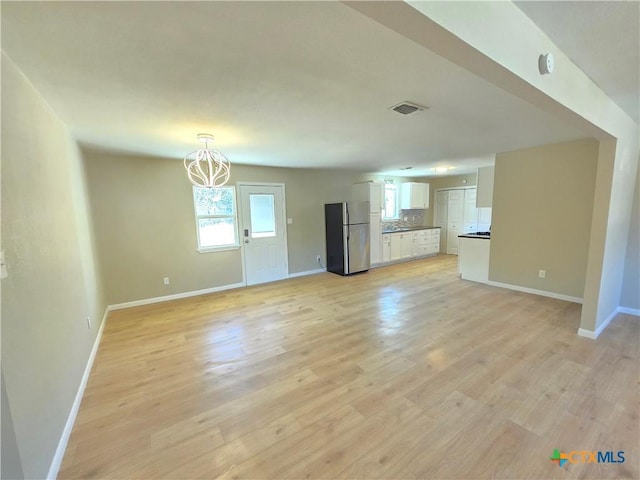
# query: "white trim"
587, 333
194, 293
218, 249
544, 293
593, 335
308, 272
629, 311
68, 427
606, 323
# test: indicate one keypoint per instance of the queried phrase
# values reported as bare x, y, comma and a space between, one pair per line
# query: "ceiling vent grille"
406, 108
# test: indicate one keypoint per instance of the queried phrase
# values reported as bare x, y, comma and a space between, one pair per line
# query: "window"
216, 219
263, 218
390, 207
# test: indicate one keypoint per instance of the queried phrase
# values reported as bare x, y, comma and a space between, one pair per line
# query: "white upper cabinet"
414, 195
485, 187
372, 192
470, 211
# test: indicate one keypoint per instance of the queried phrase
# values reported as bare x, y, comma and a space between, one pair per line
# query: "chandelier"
207, 167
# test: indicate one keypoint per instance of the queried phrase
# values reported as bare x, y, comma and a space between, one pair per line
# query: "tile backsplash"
414, 218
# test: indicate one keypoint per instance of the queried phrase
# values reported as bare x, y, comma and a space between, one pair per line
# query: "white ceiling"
602, 38
296, 84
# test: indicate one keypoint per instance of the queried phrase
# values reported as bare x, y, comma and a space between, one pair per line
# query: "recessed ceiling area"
288, 84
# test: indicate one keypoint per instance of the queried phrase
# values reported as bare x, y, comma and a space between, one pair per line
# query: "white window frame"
234, 217
396, 212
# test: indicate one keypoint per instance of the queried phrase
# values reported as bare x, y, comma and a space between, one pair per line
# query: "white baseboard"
194, 293
630, 311
308, 272
587, 333
544, 293
593, 335
66, 433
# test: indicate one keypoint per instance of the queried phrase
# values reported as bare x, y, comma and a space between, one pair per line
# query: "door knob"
246, 240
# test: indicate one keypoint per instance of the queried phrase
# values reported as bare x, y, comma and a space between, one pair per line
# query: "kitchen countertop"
482, 235
406, 229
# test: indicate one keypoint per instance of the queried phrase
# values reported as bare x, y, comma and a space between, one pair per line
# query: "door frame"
241, 223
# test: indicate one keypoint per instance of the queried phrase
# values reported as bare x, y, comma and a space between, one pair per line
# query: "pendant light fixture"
207, 167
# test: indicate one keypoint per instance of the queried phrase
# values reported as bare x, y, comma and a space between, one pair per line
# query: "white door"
454, 219
440, 216
263, 233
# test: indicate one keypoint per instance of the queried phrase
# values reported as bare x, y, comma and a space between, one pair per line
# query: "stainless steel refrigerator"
347, 234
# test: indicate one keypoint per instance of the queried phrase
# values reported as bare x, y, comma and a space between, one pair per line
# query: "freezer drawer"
357, 248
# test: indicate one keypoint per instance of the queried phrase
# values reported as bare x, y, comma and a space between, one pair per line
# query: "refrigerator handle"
346, 207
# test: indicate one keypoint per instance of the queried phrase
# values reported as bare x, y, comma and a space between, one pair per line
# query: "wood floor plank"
406, 371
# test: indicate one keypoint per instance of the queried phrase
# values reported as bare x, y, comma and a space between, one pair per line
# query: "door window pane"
263, 218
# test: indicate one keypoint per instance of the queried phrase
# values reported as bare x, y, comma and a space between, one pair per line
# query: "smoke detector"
406, 108
546, 63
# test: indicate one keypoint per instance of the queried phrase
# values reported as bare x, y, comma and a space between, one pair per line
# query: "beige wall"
631, 285
449, 181
144, 223
52, 285
542, 206
10, 466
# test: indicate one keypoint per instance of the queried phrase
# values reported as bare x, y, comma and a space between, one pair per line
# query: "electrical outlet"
89, 323
317, 258
542, 273
166, 280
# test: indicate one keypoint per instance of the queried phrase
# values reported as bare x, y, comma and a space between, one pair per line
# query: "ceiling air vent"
405, 108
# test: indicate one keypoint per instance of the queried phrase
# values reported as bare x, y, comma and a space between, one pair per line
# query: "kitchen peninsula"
473, 256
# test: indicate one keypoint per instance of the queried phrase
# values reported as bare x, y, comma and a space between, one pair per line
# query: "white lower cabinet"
406, 245
428, 242
473, 259
386, 248
401, 246
397, 246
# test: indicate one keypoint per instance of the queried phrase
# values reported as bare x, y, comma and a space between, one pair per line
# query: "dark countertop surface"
406, 229
482, 235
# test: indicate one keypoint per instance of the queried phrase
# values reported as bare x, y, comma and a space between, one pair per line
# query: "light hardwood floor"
403, 372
